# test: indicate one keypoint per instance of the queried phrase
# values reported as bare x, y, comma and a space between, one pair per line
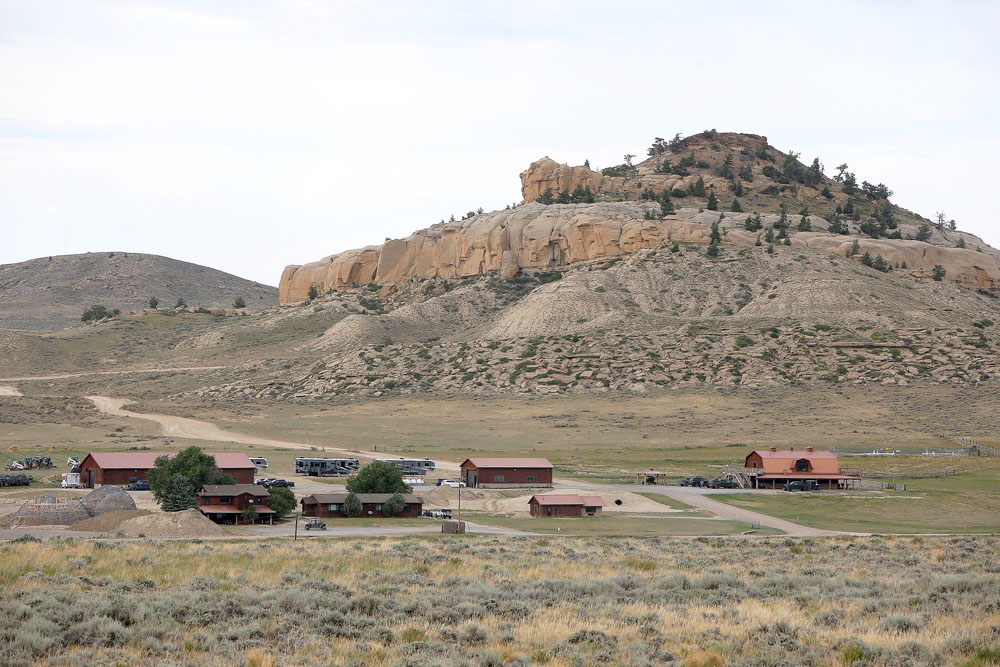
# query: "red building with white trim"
506, 473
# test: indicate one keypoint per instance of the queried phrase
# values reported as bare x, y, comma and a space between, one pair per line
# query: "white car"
452, 483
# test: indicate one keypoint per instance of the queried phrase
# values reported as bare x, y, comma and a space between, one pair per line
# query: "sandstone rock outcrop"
534, 236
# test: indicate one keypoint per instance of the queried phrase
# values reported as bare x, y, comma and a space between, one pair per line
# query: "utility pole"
296, 526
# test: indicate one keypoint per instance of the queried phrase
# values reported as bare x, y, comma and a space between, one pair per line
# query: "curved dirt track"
63, 376
183, 427
725, 511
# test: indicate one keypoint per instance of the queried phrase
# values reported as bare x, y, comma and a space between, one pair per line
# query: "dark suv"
805, 485
137, 485
723, 484
694, 481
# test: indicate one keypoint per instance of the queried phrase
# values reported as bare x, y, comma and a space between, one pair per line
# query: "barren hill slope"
50, 293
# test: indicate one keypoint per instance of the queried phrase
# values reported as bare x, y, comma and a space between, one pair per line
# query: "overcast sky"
249, 135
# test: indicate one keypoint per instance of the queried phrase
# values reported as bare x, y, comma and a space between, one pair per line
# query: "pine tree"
394, 505
938, 272
715, 237
736, 208
546, 197
805, 225
352, 506
698, 187
713, 201
313, 292
179, 495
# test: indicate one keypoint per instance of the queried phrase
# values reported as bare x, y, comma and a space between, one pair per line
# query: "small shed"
331, 505
506, 473
225, 503
650, 477
565, 505
120, 468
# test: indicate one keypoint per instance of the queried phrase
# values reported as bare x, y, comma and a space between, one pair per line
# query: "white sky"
248, 135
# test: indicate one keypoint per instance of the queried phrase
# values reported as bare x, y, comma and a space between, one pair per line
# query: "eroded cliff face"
534, 236
530, 236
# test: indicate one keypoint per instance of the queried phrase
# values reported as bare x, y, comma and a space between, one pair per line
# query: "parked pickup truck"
805, 485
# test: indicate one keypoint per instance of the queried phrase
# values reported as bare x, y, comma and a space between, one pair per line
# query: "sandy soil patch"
473, 499
9, 391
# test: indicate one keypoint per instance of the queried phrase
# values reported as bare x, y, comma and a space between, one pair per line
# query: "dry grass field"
515, 600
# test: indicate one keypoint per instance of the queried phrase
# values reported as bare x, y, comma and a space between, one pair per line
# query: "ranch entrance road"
183, 427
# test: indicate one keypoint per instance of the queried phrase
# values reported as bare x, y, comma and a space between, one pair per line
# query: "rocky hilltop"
50, 293
664, 199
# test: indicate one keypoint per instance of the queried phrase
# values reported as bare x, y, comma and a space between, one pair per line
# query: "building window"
225, 500
333, 507
530, 479
378, 507
406, 509
498, 479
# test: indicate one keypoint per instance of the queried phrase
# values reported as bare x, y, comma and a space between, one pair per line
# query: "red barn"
565, 505
225, 503
118, 468
772, 467
330, 505
506, 473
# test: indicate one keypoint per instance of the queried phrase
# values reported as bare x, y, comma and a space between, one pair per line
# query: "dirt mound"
189, 523
107, 522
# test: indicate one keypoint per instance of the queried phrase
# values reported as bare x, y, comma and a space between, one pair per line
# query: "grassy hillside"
50, 293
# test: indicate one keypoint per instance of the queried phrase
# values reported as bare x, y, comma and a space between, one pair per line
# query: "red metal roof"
485, 462
147, 460
795, 454
568, 499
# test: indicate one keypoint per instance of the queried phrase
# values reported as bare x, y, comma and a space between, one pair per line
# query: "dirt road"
9, 391
698, 498
63, 376
183, 427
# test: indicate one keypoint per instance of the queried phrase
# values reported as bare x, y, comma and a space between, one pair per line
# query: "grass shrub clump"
488, 600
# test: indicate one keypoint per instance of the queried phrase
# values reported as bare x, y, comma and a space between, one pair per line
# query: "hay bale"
107, 499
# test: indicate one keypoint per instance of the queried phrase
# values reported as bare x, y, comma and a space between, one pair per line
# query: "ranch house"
330, 504
225, 503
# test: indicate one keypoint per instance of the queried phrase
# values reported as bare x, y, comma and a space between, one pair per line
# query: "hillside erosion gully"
183, 427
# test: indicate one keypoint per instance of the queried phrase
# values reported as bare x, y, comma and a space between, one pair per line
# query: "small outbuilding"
565, 505
506, 473
771, 468
650, 476
225, 503
331, 504
120, 468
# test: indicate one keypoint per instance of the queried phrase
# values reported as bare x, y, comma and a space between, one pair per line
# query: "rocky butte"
574, 214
